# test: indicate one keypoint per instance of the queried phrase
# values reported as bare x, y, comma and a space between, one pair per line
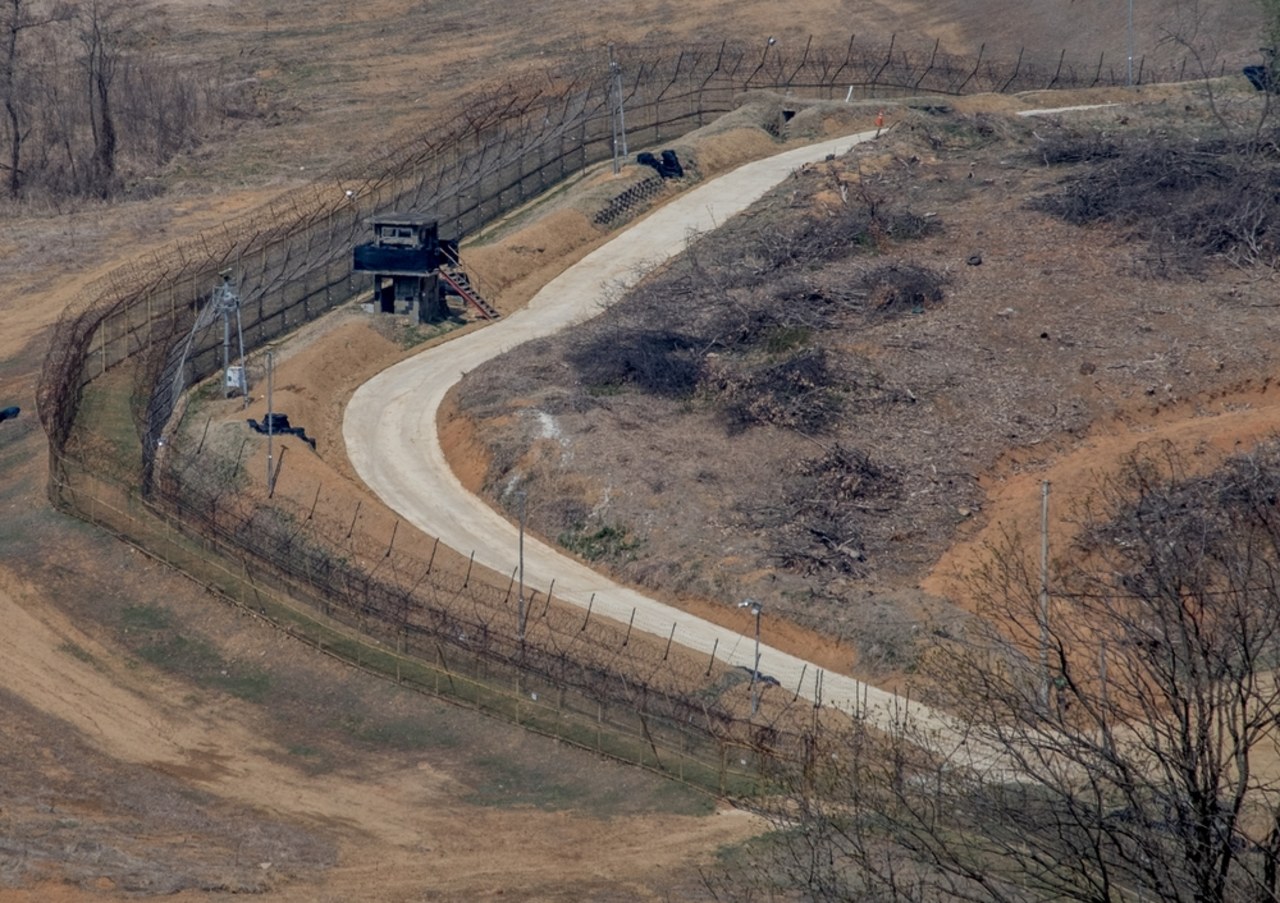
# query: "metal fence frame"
292, 263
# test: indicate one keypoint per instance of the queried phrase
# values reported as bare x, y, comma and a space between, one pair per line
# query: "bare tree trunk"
13, 28
1271, 855
106, 151
15, 148
18, 17
101, 54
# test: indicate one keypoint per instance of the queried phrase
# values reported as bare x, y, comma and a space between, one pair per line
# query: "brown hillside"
159, 744
818, 407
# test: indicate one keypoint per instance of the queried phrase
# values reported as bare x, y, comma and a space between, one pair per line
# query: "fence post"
296, 260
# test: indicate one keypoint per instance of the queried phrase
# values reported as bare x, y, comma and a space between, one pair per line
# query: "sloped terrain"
808, 408
135, 779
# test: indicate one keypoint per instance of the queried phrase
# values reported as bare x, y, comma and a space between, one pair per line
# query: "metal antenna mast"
619, 118
226, 301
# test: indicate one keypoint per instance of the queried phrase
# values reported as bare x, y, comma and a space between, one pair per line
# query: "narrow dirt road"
402, 826
393, 442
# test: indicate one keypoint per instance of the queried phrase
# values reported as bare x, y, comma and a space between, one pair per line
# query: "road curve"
393, 442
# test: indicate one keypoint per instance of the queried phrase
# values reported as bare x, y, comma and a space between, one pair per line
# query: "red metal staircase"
456, 278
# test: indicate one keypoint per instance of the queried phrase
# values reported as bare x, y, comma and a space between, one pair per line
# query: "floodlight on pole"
755, 608
226, 301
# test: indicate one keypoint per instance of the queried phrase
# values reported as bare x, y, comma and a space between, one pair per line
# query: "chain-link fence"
583, 679
292, 259
133, 339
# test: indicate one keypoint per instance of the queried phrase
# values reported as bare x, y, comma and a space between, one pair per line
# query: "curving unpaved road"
393, 443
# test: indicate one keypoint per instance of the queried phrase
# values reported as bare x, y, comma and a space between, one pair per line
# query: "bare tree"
16, 18
62, 118
102, 30
1141, 765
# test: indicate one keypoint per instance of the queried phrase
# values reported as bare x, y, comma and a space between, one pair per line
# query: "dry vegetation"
1191, 200
801, 409
1136, 751
168, 745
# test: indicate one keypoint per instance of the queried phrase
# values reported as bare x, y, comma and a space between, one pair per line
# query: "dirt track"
400, 826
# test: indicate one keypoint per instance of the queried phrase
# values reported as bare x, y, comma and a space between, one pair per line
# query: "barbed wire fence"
291, 262
321, 574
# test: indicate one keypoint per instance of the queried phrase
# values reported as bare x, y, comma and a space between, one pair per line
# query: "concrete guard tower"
404, 259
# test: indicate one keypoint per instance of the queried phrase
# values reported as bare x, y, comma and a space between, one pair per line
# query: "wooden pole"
1044, 596
520, 598
800, 683
432, 559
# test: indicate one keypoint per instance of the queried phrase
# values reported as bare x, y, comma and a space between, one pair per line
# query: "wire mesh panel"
291, 262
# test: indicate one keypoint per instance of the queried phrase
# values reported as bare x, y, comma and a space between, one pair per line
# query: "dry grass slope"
328, 82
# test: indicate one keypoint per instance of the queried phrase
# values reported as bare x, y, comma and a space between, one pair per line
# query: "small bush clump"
1188, 199
795, 392
897, 288
655, 361
813, 522
607, 542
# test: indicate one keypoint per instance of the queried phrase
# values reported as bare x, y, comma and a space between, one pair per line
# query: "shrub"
607, 541
1186, 198
813, 522
898, 288
794, 393
656, 361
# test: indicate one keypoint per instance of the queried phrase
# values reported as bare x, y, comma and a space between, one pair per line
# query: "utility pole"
271, 423
1044, 596
220, 295
1129, 77
618, 117
524, 496
755, 608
